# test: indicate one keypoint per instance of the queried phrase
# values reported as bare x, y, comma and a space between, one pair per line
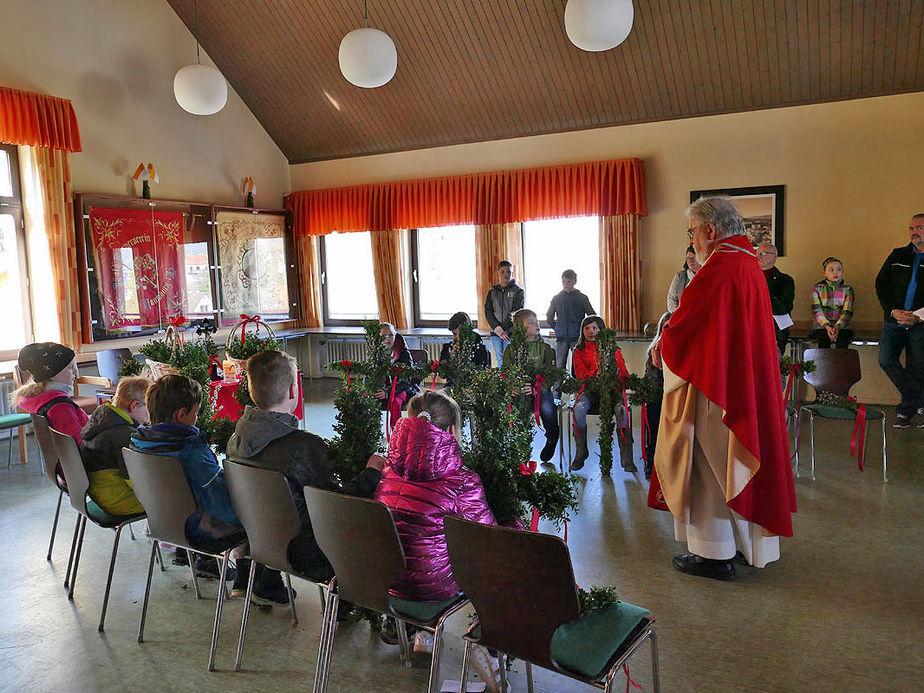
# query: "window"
14, 292
444, 274
347, 278
551, 246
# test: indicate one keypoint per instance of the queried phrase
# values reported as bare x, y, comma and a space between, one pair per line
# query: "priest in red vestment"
722, 461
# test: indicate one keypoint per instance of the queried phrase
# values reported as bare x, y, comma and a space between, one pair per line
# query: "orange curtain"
493, 243
54, 172
602, 188
38, 120
619, 271
309, 287
389, 272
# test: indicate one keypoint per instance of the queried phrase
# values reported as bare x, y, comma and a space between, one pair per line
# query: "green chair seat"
586, 646
14, 420
422, 612
104, 519
826, 411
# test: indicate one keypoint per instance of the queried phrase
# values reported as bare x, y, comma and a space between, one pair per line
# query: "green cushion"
101, 517
585, 646
826, 411
14, 420
422, 612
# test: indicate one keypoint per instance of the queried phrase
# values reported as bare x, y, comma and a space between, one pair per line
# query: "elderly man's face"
766, 256
916, 232
702, 238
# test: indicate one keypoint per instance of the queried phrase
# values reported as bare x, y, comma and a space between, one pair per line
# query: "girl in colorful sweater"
832, 307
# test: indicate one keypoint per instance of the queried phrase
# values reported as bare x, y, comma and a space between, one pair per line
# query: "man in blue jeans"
503, 300
900, 290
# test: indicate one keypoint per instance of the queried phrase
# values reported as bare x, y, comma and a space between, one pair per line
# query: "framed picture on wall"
761, 209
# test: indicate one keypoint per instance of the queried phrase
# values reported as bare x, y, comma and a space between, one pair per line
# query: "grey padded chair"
109, 361
538, 620
264, 506
162, 489
78, 485
360, 539
49, 455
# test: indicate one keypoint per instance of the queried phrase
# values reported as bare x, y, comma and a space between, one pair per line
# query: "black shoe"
274, 594
207, 567
389, 632
548, 452
739, 558
346, 611
180, 557
902, 421
692, 564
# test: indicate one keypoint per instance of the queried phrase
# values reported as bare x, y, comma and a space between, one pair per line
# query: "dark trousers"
782, 338
844, 337
908, 378
653, 415
548, 414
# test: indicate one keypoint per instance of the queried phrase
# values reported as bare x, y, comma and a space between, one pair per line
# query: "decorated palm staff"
722, 460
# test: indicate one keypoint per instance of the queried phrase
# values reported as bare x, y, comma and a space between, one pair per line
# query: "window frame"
13, 205
325, 306
415, 283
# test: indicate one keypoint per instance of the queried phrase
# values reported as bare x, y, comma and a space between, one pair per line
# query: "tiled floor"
841, 611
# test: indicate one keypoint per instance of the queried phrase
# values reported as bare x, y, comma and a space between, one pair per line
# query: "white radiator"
6, 389
433, 349
350, 350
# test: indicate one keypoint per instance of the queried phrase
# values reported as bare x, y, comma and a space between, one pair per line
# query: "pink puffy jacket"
423, 482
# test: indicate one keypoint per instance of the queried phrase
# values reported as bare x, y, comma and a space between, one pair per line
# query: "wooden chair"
538, 619
359, 538
264, 506
836, 371
78, 483
161, 487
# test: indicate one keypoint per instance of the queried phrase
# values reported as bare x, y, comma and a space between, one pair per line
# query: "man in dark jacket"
782, 293
268, 437
566, 311
900, 290
503, 300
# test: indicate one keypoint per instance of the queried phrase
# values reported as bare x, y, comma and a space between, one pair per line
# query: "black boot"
580, 439
692, 564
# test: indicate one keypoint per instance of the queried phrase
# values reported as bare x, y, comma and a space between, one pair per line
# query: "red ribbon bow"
537, 392
247, 319
178, 320
434, 367
793, 369
857, 440
346, 363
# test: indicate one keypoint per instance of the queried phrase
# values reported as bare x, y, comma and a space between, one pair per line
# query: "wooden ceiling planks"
472, 70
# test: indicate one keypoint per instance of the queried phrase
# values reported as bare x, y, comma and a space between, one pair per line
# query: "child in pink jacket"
423, 481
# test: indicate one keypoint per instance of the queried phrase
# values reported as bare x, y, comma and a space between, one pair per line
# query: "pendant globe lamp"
200, 89
598, 25
368, 57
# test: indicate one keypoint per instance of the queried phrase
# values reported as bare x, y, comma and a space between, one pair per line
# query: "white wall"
115, 60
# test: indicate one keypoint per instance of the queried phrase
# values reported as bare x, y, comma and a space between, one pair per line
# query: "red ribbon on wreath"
214, 359
794, 369
178, 321
857, 440
248, 319
537, 392
346, 363
390, 417
434, 367
629, 682
528, 470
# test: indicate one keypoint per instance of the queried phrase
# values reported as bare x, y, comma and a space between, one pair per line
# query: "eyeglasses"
690, 232
765, 253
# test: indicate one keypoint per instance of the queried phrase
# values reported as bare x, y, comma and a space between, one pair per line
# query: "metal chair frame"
168, 525
78, 483
330, 527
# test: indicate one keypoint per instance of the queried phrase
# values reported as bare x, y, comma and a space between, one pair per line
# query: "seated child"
403, 389
109, 430
173, 402
585, 364
540, 352
832, 307
479, 355
425, 480
48, 392
267, 436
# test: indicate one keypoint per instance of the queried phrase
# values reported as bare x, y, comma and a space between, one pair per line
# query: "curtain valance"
37, 120
603, 188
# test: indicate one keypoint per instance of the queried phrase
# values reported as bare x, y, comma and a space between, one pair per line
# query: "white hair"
720, 212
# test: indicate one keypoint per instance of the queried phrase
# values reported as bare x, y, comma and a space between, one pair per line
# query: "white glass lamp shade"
200, 89
368, 58
598, 25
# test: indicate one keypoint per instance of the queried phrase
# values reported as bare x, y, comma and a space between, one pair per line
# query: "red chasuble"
721, 340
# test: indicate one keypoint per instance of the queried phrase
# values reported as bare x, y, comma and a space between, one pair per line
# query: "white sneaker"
487, 667
423, 641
